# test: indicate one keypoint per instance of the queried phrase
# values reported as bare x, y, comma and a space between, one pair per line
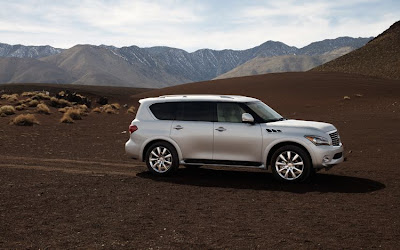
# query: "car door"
193, 129
233, 139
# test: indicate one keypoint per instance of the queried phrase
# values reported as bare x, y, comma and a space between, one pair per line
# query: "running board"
223, 163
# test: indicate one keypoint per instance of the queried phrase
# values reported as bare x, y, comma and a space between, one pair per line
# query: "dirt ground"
72, 186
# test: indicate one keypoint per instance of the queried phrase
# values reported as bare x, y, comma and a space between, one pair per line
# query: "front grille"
335, 138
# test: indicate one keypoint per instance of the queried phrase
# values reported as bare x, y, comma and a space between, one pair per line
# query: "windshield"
266, 113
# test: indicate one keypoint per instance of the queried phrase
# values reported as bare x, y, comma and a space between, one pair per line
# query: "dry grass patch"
131, 109
7, 110
71, 115
96, 110
116, 106
59, 103
25, 120
20, 107
41, 96
28, 94
10, 98
32, 103
42, 108
109, 109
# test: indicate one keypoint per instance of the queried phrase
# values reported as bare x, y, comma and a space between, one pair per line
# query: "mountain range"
153, 67
378, 58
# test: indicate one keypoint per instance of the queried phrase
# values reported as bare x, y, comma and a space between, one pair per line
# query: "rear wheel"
162, 158
291, 164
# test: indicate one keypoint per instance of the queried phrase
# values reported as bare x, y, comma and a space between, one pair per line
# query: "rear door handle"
220, 129
178, 127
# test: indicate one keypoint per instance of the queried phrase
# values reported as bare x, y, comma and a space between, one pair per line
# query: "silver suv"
195, 130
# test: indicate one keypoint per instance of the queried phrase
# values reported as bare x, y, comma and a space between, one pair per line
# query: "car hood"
325, 127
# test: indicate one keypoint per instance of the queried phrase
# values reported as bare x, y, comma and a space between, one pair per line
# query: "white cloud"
191, 24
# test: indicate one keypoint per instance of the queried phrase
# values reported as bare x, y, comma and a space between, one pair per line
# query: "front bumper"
327, 156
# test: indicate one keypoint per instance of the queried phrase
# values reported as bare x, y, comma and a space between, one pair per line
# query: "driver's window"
229, 112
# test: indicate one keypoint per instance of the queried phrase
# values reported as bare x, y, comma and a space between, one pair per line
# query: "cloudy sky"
190, 24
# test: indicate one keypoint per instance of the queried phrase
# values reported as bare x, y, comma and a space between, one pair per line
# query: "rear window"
164, 111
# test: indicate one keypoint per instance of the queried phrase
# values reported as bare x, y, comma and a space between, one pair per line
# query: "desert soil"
72, 186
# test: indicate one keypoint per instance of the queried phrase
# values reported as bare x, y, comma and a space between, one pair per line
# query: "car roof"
176, 98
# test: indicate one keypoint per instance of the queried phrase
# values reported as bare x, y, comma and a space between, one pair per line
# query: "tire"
291, 164
162, 159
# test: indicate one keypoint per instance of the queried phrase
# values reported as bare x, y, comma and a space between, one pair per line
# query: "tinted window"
164, 111
196, 111
229, 112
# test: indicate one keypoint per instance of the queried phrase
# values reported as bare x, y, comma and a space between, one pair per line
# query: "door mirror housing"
247, 118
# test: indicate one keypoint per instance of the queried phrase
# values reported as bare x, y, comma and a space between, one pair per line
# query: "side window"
196, 111
164, 111
229, 112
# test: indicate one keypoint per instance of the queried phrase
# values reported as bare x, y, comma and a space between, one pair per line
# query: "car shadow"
324, 183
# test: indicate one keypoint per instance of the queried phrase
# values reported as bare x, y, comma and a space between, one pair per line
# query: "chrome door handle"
178, 127
220, 129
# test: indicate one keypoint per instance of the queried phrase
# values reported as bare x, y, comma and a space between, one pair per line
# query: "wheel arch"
272, 149
151, 141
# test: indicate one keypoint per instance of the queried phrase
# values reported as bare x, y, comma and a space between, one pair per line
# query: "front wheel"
291, 164
162, 158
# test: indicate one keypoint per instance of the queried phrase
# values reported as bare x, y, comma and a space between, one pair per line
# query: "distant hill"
379, 58
288, 63
21, 51
23, 70
158, 67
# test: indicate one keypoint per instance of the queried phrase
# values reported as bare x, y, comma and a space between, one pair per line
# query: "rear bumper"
132, 149
327, 156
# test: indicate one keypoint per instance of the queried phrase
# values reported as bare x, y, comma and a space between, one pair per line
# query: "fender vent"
273, 130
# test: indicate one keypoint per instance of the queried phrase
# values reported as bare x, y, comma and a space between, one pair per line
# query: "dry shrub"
96, 110
25, 120
131, 109
108, 108
33, 103
10, 98
83, 108
20, 107
42, 108
29, 94
59, 103
116, 106
71, 115
41, 96
63, 110
7, 110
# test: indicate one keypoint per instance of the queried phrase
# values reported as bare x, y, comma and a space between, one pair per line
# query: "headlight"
318, 140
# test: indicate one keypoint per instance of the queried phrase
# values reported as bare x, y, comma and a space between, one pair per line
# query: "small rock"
359, 95
350, 151
123, 132
125, 105
346, 97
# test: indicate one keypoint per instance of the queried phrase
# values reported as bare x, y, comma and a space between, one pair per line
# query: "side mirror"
247, 118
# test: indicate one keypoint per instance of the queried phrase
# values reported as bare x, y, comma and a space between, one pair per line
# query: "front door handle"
220, 129
178, 127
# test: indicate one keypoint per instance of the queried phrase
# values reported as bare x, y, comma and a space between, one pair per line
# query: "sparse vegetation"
7, 110
131, 109
20, 107
96, 110
33, 103
71, 115
41, 96
10, 98
116, 106
28, 94
25, 120
42, 108
59, 103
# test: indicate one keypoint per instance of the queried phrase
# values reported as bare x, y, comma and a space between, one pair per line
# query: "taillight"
132, 128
